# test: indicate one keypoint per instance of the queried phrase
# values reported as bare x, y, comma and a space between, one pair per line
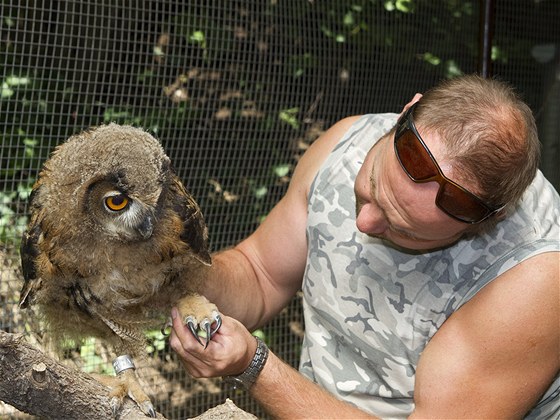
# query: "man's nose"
370, 219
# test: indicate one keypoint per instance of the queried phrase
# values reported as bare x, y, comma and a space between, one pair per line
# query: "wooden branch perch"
37, 384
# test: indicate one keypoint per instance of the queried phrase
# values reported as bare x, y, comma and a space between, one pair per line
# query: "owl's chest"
130, 281
113, 276
116, 276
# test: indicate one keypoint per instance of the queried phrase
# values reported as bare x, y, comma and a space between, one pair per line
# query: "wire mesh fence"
235, 91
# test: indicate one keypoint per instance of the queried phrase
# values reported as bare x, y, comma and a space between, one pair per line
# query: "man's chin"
407, 247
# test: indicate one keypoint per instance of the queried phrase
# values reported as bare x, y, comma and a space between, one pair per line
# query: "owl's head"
121, 212
109, 180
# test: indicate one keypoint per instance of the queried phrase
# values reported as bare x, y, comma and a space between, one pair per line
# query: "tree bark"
37, 384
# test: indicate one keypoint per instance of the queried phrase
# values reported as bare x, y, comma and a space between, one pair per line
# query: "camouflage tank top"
371, 309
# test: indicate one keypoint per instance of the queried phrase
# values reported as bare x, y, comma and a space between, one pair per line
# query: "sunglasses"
420, 166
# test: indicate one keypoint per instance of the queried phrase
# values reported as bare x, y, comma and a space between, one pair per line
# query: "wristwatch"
249, 376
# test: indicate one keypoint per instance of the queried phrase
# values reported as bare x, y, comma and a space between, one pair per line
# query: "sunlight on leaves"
92, 361
431, 59
198, 37
404, 6
348, 19
156, 341
289, 116
260, 192
499, 55
282, 170
10, 82
452, 69
17, 81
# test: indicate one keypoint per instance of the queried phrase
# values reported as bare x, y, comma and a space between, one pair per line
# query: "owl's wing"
29, 251
194, 233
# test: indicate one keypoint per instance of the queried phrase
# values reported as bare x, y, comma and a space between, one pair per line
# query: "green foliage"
156, 341
282, 170
93, 362
198, 38
10, 83
404, 6
12, 223
289, 116
261, 334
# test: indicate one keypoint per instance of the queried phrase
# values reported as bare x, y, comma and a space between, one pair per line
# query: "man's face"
391, 206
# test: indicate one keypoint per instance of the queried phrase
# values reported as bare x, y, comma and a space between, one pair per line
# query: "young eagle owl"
113, 243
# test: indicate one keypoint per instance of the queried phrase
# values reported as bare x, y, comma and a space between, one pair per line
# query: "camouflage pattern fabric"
370, 308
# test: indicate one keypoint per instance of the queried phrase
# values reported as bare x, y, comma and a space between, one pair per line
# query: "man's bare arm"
279, 388
496, 355
285, 393
255, 280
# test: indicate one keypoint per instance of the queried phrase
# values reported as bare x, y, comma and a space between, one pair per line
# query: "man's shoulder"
539, 211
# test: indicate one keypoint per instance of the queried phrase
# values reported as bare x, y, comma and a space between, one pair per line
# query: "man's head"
489, 136
484, 139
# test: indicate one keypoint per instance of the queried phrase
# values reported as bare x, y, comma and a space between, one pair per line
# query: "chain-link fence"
236, 91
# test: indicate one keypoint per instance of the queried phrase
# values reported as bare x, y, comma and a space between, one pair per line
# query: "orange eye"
116, 202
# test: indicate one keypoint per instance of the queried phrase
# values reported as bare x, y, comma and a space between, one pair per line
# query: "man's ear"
415, 99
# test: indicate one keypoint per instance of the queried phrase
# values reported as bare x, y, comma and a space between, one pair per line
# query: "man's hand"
280, 389
229, 353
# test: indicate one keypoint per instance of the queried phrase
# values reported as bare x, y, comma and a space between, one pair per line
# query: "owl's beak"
146, 228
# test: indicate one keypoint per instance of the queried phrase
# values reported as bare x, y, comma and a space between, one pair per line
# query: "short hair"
489, 135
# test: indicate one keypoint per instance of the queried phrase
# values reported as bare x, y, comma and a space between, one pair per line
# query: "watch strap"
247, 379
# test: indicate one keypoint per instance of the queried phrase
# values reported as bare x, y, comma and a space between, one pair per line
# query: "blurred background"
236, 91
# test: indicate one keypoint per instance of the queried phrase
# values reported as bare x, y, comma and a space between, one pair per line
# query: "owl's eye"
116, 202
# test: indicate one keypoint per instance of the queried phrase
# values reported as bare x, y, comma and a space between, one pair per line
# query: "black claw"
148, 409
208, 333
165, 329
218, 320
191, 324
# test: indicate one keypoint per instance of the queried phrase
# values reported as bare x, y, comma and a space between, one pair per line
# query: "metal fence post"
486, 33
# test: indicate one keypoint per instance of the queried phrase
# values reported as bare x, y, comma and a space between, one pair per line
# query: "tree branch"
37, 384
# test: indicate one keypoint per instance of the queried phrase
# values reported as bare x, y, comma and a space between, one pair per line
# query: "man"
428, 255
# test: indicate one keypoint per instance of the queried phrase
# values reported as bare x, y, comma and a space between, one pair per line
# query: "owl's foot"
200, 316
126, 383
205, 325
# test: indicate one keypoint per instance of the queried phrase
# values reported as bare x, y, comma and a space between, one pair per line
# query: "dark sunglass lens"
414, 157
460, 204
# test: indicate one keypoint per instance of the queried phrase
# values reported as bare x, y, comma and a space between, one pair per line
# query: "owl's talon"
218, 321
166, 328
148, 409
193, 328
115, 404
207, 329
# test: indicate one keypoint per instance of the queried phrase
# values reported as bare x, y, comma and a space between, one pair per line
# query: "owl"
115, 241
